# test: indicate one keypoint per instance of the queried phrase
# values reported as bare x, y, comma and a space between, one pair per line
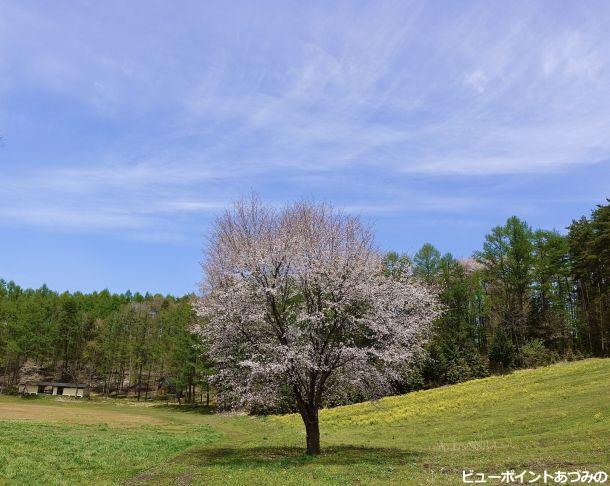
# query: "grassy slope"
550, 418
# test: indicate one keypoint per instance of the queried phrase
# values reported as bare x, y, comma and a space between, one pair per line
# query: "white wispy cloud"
190, 107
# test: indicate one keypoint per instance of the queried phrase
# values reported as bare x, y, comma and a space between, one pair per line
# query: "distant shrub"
535, 353
27, 396
10, 390
467, 367
574, 355
458, 370
479, 365
502, 352
414, 380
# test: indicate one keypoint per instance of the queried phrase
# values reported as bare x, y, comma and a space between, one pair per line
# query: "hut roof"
65, 385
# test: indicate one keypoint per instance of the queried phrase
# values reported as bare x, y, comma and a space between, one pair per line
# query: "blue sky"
127, 126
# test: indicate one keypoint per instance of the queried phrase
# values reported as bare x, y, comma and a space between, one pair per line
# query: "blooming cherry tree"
296, 306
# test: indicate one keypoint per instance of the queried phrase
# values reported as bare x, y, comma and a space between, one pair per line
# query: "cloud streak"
157, 126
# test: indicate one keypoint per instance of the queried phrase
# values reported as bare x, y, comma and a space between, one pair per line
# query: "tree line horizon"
528, 297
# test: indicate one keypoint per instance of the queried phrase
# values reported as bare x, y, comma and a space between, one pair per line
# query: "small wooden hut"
55, 388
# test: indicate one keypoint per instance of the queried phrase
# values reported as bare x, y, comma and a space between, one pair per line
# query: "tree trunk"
140, 382
312, 428
147, 383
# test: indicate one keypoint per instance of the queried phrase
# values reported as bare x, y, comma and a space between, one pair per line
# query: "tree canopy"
298, 308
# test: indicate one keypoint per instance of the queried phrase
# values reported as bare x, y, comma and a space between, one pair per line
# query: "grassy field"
550, 418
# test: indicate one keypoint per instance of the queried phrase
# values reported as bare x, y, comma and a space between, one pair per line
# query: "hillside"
554, 418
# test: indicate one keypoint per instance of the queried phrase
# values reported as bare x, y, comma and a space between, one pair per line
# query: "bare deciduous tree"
297, 306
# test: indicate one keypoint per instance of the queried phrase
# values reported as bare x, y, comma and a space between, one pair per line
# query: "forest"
528, 297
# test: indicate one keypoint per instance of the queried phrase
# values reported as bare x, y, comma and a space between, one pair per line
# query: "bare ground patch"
71, 414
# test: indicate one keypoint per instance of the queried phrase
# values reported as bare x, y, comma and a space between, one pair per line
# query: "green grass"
550, 418
51, 453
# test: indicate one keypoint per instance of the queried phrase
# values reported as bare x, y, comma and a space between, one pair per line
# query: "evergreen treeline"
120, 343
527, 298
